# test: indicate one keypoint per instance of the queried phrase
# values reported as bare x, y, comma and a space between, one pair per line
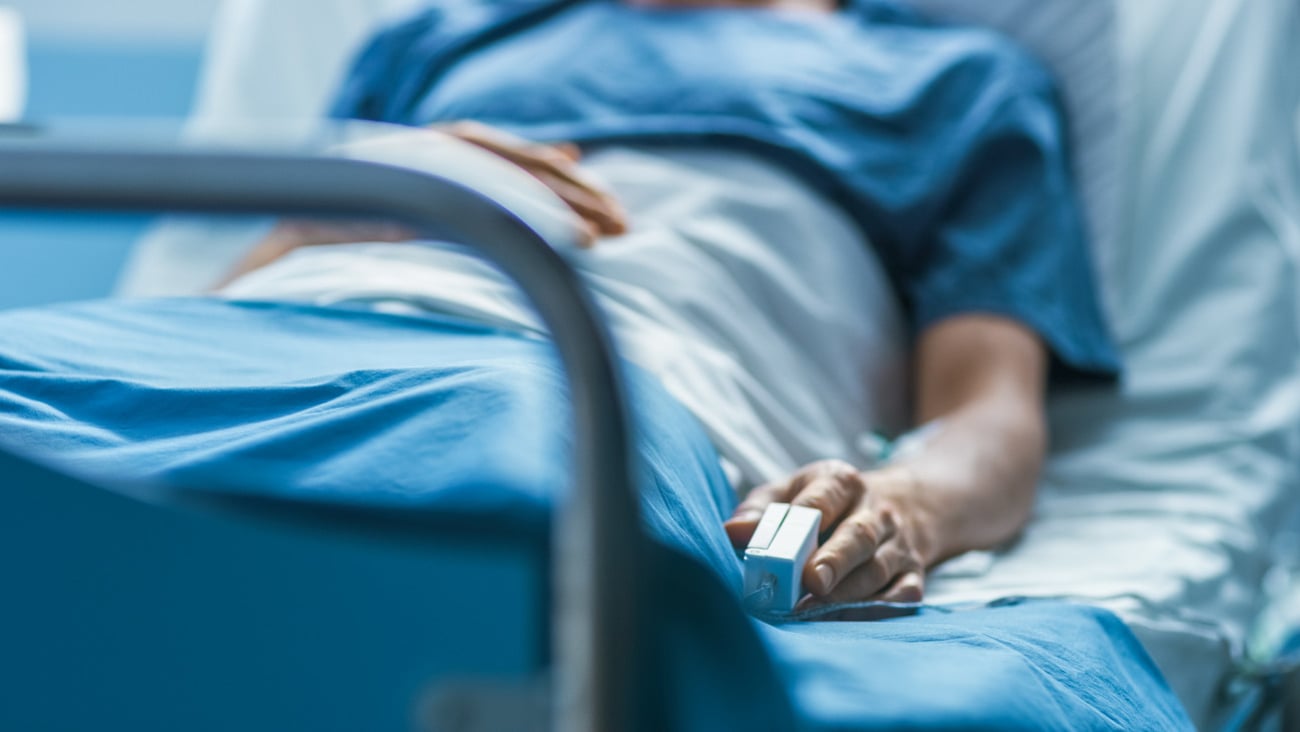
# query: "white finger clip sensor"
774, 560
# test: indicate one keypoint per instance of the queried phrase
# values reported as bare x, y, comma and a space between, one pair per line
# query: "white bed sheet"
1161, 502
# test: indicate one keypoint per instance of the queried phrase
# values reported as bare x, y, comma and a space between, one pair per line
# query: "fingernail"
747, 515
825, 575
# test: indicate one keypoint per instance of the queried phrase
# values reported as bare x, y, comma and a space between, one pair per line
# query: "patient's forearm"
973, 482
272, 247
290, 235
975, 477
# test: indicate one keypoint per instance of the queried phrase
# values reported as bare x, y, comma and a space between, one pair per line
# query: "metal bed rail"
597, 542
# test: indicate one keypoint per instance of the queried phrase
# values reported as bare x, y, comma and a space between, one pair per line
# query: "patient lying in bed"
810, 222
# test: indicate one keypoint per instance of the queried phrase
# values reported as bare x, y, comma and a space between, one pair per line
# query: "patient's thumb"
740, 527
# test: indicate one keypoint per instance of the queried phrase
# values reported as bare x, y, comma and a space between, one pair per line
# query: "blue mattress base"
437, 428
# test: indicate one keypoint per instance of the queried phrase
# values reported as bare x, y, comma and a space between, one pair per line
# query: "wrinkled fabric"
364, 409
334, 405
945, 144
708, 290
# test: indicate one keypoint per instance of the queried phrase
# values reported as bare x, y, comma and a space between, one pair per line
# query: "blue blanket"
357, 408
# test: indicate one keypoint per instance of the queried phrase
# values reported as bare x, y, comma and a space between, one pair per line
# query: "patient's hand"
969, 485
877, 532
557, 167
599, 212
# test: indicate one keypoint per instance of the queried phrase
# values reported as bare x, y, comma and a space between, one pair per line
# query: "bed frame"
597, 541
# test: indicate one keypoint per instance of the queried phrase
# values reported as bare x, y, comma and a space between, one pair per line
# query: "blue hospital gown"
946, 145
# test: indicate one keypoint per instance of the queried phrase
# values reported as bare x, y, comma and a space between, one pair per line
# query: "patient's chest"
621, 62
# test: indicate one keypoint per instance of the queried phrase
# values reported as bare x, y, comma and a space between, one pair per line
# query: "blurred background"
90, 58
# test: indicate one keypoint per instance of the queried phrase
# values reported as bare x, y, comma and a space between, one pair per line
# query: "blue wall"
111, 79
56, 258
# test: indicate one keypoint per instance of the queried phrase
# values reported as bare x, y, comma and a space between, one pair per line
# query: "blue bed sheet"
447, 419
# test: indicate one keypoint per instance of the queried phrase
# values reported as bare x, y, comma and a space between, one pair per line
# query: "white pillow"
284, 58
1078, 40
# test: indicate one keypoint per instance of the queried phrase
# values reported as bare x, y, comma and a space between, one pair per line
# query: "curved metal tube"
597, 538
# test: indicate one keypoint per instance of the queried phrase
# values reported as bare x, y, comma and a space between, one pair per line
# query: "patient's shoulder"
980, 59
966, 75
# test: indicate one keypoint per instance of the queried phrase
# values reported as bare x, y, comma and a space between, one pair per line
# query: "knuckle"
848, 477
812, 498
861, 531
826, 494
888, 515
835, 468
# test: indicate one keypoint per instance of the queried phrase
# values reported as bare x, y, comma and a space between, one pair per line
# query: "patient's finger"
867, 580
740, 527
759, 498
835, 488
854, 543
590, 204
570, 151
909, 587
555, 166
587, 198
571, 174
558, 160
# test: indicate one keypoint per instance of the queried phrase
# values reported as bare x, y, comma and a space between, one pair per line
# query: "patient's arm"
970, 486
291, 234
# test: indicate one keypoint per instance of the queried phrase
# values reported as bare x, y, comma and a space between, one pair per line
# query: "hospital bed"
1162, 503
